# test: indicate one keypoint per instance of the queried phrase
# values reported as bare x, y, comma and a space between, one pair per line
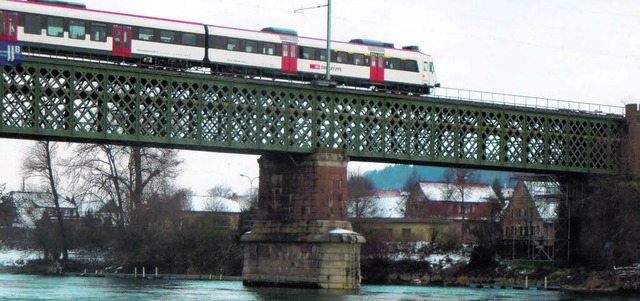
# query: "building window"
406, 232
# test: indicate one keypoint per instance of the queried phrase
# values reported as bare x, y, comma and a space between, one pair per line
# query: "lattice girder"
89, 102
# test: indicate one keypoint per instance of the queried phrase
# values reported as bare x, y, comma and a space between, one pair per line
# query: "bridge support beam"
632, 115
302, 237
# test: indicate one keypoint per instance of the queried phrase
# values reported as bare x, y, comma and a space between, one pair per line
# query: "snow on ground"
428, 252
341, 231
17, 258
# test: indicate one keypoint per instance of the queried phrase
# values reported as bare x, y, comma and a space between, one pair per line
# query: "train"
71, 29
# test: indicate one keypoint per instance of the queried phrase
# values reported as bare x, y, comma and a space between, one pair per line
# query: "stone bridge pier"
301, 236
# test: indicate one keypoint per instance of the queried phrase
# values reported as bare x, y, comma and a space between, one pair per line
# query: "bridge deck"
83, 102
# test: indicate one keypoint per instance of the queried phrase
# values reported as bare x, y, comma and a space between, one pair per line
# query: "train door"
377, 68
289, 57
8, 26
121, 40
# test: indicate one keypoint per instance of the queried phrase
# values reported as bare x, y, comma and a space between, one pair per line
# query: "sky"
577, 50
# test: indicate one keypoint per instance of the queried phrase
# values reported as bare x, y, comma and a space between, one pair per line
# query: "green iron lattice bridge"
84, 102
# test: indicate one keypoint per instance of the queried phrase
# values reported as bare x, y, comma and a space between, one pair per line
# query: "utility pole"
461, 180
327, 81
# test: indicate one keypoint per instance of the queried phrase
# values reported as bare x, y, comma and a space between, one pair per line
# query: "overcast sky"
578, 50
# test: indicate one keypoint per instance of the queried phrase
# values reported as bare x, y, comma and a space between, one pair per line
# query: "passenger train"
70, 29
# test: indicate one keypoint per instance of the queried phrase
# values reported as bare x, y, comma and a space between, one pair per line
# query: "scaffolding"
538, 229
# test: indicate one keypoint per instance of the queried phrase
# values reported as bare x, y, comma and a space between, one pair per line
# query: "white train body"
60, 27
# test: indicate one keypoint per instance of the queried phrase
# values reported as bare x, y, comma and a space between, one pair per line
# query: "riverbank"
416, 273
159, 276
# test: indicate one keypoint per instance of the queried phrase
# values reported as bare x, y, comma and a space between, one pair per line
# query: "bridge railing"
527, 101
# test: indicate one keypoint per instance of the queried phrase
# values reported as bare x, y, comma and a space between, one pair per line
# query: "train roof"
74, 6
280, 30
60, 3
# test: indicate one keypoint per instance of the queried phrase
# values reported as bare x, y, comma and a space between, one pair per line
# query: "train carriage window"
358, 59
98, 32
13, 24
308, 53
410, 65
340, 57
188, 39
145, 34
55, 27
2, 24
32, 24
167, 36
77, 30
428, 67
251, 46
233, 44
218, 42
323, 55
393, 63
268, 48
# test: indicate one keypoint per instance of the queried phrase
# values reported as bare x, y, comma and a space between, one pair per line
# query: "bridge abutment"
302, 236
632, 116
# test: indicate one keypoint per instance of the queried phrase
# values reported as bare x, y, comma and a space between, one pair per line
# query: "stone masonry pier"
301, 237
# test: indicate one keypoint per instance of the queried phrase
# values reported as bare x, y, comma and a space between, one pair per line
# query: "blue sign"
10, 53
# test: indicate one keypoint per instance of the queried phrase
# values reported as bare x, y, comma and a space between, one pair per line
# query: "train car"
70, 29
282, 53
56, 27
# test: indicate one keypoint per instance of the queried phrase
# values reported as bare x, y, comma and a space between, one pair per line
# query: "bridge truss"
90, 102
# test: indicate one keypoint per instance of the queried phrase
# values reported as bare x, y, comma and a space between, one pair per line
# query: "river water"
29, 287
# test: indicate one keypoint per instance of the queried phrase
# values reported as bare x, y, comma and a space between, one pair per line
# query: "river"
30, 287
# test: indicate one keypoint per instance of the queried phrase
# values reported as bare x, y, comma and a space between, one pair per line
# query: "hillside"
395, 176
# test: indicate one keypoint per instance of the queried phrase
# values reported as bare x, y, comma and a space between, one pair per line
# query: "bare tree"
41, 163
222, 191
125, 178
457, 179
609, 216
102, 168
8, 212
215, 204
361, 197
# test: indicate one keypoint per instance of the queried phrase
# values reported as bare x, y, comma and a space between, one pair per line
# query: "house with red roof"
465, 205
451, 200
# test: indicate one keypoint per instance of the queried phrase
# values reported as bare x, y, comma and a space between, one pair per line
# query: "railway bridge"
305, 135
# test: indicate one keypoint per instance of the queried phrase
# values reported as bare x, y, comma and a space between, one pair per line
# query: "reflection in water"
28, 287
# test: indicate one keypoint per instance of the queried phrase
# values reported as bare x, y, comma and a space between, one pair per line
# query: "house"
464, 205
529, 218
404, 229
31, 206
389, 221
221, 212
453, 201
